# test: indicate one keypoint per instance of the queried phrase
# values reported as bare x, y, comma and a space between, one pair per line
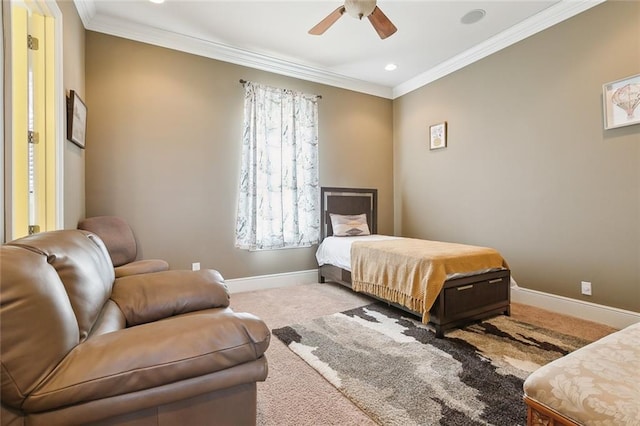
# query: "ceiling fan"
358, 9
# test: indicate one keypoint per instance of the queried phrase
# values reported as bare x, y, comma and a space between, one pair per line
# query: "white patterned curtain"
279, 189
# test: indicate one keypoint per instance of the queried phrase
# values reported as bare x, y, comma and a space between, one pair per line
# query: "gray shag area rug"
396, 371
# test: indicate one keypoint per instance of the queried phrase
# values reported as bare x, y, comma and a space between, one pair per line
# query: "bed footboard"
467, 299
461, 300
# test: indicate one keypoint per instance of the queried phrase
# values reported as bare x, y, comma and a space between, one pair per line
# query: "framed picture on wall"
621, 101
438, 136
76, 119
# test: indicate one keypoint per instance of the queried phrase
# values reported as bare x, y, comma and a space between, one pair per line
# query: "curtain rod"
243, 82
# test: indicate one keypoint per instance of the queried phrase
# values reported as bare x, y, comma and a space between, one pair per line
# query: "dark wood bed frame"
461, 300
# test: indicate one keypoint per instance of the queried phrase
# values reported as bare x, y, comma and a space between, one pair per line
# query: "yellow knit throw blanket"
412, 272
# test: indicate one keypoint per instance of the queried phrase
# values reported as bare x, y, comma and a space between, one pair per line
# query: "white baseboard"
263, 282
613, 317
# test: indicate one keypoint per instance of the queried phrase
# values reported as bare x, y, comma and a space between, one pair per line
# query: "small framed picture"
621, 101
76, 119
438, 136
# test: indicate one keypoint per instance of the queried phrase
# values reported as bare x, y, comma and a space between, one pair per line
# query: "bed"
443, 301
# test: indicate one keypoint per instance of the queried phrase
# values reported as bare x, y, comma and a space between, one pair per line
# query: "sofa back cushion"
117, 236
84, 267
38, 326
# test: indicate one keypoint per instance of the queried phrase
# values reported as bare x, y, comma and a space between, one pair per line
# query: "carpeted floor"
295, 394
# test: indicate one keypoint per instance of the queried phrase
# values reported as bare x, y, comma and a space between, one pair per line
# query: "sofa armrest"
144, 266
149, 297
152, 355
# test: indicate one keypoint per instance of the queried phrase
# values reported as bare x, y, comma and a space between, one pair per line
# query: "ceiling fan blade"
331, 19
381, 23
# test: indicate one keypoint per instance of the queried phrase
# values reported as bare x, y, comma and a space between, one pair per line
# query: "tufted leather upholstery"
78, 346
118, 238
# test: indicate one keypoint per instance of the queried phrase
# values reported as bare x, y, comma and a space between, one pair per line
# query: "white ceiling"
272, 35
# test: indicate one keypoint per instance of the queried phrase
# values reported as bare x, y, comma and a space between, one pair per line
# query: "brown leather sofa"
78, 346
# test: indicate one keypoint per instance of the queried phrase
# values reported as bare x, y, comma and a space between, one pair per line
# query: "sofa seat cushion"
151, 355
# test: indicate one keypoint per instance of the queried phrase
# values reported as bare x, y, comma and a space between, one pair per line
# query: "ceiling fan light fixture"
359, 8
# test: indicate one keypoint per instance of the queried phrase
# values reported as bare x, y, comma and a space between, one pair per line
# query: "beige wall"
529, 169
163, 151
73, 69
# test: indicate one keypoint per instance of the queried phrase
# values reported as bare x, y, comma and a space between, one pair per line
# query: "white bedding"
336, 251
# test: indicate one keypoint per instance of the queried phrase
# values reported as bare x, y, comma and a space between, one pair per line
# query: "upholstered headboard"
348, 201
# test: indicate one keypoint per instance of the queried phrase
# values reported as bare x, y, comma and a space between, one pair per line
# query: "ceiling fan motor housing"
359, 8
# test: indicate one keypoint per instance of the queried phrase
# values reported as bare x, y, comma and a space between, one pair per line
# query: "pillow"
349, 225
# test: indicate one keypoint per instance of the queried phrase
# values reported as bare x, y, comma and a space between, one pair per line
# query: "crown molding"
86, 9
553, 15
219, 51
549, 17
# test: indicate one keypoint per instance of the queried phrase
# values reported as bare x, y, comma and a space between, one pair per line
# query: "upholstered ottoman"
598, 384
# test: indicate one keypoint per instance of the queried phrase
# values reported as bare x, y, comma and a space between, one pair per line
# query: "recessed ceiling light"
157, 1
390, 67
473, 16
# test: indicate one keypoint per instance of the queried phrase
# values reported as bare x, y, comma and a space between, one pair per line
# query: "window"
279, 189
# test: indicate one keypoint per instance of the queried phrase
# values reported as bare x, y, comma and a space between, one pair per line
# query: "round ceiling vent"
473, 16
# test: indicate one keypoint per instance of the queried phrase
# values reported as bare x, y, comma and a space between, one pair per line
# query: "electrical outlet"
586, 288
195, 266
